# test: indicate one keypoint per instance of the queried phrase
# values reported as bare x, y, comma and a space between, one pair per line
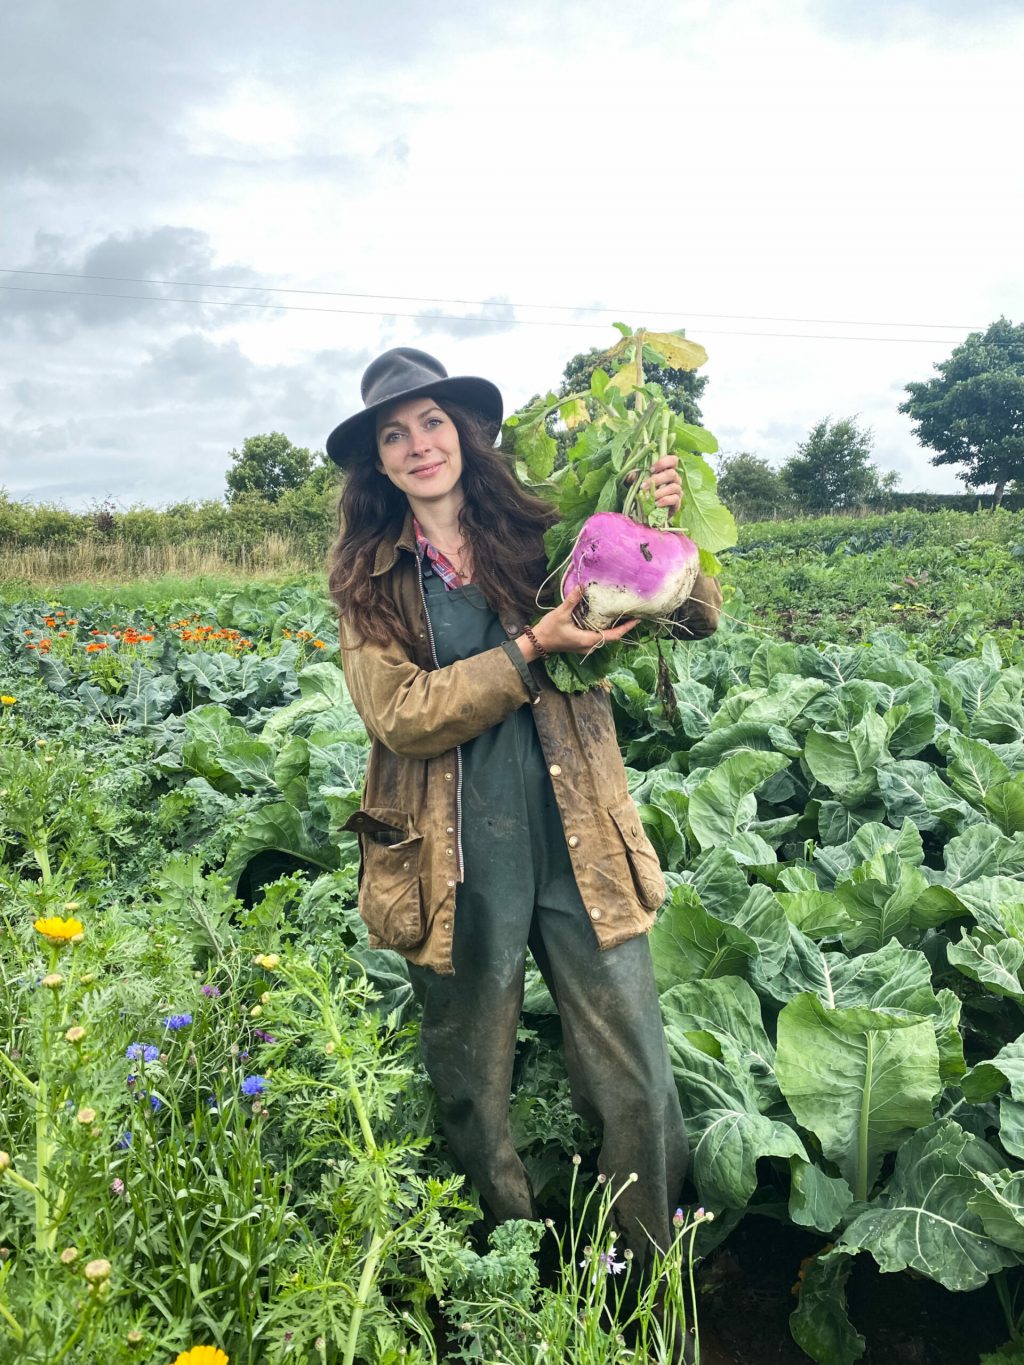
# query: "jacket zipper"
458, 747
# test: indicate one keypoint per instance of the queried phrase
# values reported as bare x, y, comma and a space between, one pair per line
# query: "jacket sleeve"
698, 617
421, 713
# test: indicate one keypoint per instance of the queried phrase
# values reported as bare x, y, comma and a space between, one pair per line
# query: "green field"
218, 1130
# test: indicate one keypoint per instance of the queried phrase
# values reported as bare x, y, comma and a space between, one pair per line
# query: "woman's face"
418, 449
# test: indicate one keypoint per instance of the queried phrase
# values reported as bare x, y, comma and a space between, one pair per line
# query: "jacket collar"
387, 549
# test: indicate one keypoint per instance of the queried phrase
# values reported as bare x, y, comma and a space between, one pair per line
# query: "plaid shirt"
440, 563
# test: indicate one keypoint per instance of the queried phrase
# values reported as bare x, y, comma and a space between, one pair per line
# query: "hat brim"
479, 395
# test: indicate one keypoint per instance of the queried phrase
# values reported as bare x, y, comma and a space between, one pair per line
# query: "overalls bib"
519, 891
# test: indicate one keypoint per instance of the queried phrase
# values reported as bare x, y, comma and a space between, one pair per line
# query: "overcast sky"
769, 174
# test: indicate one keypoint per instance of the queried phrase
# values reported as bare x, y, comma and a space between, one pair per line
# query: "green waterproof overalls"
519, 891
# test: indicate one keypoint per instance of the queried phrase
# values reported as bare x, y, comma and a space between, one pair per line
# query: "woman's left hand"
666, 483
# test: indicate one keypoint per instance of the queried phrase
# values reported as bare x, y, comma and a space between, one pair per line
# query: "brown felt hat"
407, 373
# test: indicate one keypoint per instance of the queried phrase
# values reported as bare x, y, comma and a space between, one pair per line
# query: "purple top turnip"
627, 569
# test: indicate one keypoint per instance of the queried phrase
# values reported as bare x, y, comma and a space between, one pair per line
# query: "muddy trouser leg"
619, 1069
468, 1041
614, 1040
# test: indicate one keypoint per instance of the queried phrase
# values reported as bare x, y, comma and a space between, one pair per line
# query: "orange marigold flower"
30, 646
319, 644
146, 638
45, 644
28, 631
74, 622
58, 613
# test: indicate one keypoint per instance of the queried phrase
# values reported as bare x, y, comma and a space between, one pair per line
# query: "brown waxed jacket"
418, 715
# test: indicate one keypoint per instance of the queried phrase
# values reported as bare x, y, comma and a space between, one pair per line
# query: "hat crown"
398, 372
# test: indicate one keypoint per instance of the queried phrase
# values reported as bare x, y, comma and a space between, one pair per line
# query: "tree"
973, 412
832, 470
683, 388
267, 465
750, 487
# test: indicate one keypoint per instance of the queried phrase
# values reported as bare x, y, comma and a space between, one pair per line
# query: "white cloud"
820, 161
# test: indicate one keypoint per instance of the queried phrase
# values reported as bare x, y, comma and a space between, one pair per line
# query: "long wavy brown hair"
500, 520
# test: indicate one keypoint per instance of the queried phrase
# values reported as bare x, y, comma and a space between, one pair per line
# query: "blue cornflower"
254, 1085
155, 1103
174, 1021
142, 1052
124, 1141
211, 1103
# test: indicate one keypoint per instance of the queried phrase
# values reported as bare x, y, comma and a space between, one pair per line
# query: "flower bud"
86, 1116
53, 981
68, 1255
97, 1271
72, 905
5, 1162
87, 978
329, 1047
256, 1011
75, 1034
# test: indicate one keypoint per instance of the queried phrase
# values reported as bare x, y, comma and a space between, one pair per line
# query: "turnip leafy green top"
621, 426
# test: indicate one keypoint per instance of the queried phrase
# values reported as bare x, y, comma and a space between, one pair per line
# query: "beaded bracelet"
528, 632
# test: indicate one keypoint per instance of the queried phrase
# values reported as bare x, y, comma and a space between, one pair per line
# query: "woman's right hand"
559, 633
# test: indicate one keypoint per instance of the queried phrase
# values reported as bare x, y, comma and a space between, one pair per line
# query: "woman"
495, 814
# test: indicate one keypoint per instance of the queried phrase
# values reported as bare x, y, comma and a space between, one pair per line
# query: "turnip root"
626, 569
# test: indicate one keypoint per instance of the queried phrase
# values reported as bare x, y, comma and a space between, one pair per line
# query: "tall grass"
50, 566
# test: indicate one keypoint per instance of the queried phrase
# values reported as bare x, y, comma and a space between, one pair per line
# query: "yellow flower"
75, 1034
58, 930
68, 1255
86, 1116
202, 1355
8, 701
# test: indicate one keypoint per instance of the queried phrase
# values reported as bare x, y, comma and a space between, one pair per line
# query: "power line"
482, 303
443, 317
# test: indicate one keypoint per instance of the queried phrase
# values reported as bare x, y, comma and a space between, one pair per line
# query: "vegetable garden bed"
841, 962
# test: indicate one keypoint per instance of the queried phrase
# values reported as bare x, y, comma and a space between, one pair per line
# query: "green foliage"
972, 412
841, 966
751, 488
940, 579
683, 389
269, 465
832, 469
625, 423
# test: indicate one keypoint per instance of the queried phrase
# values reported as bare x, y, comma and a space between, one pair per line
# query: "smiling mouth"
424, 470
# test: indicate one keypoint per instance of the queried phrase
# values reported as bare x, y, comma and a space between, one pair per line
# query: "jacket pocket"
648, 879
390, 902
